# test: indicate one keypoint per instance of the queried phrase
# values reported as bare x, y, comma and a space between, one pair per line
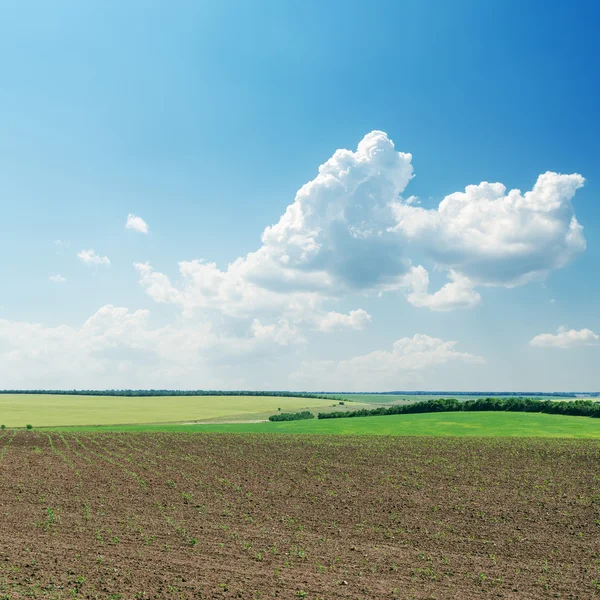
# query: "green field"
42, 410
236, 413
485, 424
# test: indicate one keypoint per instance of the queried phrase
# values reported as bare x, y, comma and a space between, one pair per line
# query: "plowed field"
124, 515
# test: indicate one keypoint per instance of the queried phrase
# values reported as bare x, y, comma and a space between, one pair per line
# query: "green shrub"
305, 414
3, 427
29, 426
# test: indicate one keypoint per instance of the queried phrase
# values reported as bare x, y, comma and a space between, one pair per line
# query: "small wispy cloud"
58, 278
90, 257
136, 223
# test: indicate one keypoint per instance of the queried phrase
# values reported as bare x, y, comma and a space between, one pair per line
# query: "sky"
343, 196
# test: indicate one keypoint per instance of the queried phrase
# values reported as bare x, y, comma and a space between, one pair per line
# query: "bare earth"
137, 515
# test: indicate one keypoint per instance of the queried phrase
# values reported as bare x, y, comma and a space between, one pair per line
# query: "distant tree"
305, 414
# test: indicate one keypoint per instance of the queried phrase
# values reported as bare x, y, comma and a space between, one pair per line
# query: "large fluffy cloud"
566, 338
338, 224
497, 237
349, 231
384, 369
332, 240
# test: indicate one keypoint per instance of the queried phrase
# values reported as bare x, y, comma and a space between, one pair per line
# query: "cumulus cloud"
90, 257
136, 223
281, 332
459, 293
57, 278
338, 223
387, 369
496, 237
566, 339
331, 241
335, 321
204, 286
348, 231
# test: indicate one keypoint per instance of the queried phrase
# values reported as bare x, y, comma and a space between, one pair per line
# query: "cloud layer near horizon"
116, 347
402, 366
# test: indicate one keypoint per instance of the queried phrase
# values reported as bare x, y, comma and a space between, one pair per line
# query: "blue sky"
205, 119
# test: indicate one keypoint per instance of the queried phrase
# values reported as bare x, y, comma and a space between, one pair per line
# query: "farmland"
478, 424
166, 515
17, 410
244, 414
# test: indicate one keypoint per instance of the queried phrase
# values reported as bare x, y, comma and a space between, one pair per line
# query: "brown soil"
156, 515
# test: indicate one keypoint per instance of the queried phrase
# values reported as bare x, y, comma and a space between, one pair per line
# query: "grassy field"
53, 410
485, 424
179, 413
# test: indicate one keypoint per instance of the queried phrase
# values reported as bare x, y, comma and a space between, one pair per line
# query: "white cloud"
335, 321
57, 278
338, 224
499, 238
116, 347
459, 293
205, 287
89, 257
349, 231
281, 333
383, 369
331, 241
62, 243
208, 290
566, 339
136, 223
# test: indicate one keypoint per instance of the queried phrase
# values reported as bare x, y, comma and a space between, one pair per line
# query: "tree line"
149, 393
580, 408
472, 393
